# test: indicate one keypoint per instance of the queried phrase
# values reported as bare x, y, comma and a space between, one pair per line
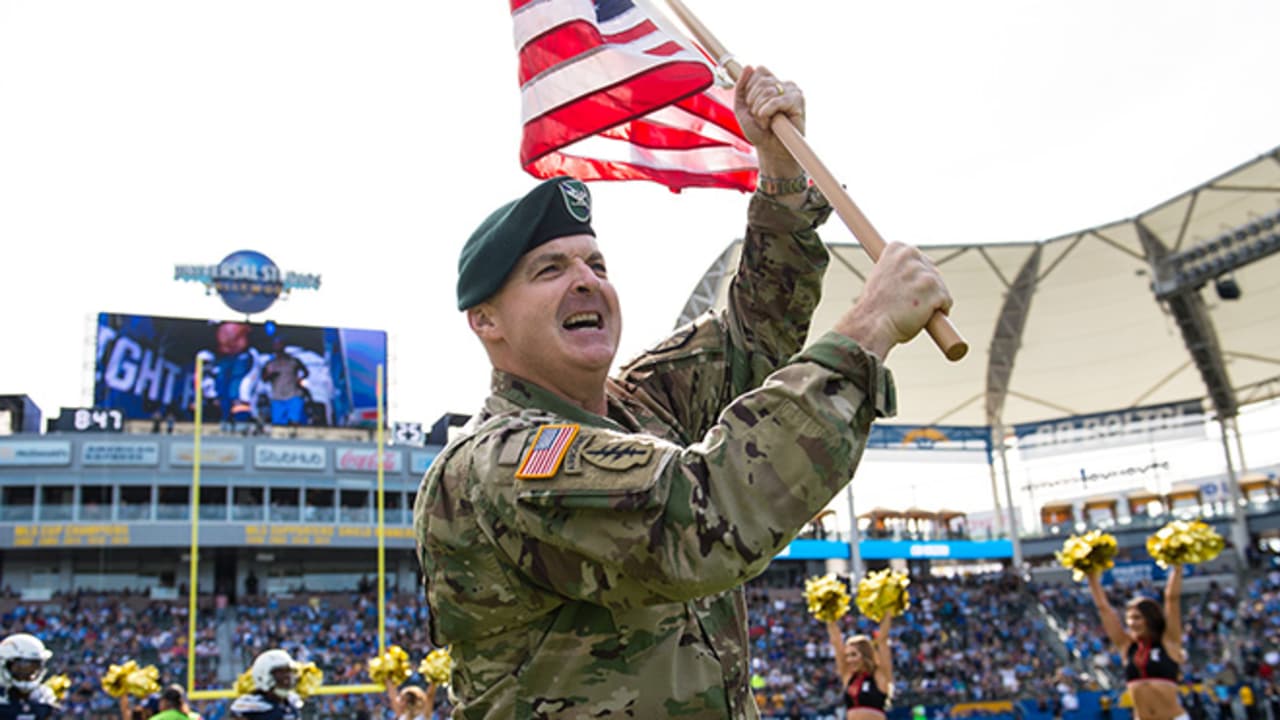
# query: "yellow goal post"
193, 581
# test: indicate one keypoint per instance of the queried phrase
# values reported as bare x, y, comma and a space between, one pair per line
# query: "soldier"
23, 663
584, 546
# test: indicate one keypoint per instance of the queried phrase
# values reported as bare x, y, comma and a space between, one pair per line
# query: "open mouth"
583, 321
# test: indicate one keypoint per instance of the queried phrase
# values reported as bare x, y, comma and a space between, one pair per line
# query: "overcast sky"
364, 142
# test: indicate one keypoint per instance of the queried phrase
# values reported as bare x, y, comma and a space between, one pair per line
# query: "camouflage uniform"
612, 588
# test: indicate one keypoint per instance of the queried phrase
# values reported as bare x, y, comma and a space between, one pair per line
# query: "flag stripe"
635, 32
677, 116
589, 115
545, 52
653, 135
604, 148
543, 16
712, 110
608, 72
666, 49
605, 68
589, 169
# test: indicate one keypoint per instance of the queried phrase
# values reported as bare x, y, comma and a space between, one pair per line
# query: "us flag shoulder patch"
549, 447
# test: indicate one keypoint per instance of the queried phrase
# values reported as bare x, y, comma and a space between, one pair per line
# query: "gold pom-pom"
391, 667
437, 666
883, 592
1086, 554
827, 597
129, 679
58, 684
310, 678
1184, 543
143, 681
113, 680
244, 684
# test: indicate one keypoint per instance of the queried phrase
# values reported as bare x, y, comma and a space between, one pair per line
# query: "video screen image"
253, 373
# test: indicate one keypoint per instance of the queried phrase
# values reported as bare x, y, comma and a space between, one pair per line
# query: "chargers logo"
924, 437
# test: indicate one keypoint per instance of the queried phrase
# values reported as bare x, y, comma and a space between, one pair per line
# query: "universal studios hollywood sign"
246, 280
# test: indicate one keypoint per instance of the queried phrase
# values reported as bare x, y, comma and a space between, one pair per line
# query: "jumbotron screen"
253, 373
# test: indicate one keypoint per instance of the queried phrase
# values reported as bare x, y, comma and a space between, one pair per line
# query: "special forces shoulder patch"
545, 455
616, 454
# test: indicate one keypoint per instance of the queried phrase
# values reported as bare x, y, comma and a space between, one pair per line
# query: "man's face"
23, 670
558, 311
232, 338
285, 677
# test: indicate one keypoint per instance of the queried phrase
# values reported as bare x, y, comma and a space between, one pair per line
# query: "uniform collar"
526, 394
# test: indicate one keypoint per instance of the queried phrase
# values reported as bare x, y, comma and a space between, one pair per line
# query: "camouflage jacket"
589, 566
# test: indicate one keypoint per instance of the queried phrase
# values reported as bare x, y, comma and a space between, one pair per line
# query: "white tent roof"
1094, 338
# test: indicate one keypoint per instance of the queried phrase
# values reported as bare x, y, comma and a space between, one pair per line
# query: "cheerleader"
865, 667
1150, 639
412, 703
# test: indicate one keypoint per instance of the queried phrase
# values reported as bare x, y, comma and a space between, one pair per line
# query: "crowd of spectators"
339, 634
89, 632
964, 639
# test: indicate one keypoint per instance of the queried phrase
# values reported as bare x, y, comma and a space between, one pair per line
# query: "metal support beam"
856, 568
1239, 526
703, 297
1007, 338
1005, 342
1201, 339
1188, 271
1198, 333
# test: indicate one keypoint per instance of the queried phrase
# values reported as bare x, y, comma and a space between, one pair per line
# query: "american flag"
607, 94
549, 446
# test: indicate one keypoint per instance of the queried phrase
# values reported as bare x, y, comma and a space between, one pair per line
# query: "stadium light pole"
1239, 523
855, 551
995, 492
1014, 538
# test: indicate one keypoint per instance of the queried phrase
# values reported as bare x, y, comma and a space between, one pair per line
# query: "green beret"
556, 208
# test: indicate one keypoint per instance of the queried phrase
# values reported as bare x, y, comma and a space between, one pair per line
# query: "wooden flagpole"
944, 334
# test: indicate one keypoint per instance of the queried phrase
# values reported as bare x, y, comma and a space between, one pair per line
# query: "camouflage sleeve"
776, 288
772, 297
632, 520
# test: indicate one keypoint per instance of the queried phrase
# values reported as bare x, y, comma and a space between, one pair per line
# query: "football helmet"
263, 671
22, 662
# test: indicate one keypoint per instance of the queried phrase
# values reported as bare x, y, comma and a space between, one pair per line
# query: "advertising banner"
1111, 429
936, 549
35, 452
361, 460
211, 454
289, 457
929, 437
120, 454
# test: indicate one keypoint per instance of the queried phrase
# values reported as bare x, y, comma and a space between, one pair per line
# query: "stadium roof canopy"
1072, 325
